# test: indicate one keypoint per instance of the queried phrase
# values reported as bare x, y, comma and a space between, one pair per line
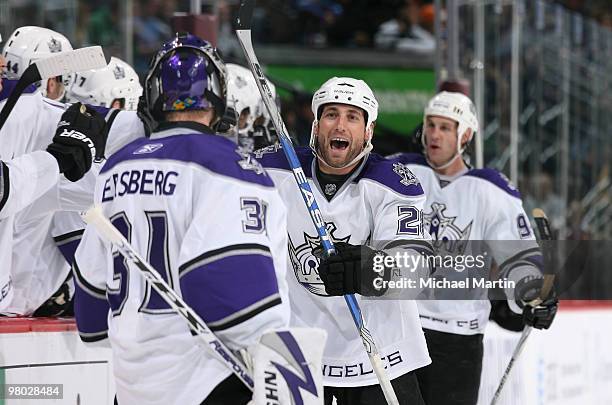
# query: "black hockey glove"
351, 270
80, 137
539, 316
60, 304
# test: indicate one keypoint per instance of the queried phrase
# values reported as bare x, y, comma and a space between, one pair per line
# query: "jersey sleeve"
24, 179
399, 231
90, 267
235, 280
511, 240
124, 127
67, 229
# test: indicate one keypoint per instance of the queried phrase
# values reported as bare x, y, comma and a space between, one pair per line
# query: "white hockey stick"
77, 60
96, 218
545, 234
244, 37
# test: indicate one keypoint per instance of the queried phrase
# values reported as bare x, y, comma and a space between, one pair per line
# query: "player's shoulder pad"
409, 158
497, 178
273, 157
212, 152
391, 174
9, 84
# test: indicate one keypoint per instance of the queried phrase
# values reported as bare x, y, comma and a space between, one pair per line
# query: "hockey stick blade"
77, 60
107, 230
244, 37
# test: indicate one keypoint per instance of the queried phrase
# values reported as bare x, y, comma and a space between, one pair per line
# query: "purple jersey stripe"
410, 159
90, 307
91, 312
212, 152
231, 287
7, 88
391, 174
497, 178
273, 157
68, 243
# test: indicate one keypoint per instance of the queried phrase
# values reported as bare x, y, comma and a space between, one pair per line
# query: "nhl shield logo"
54, 45
330, 189
306, 265
407, 177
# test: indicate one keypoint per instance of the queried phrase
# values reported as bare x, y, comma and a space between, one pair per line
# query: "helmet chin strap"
443, 166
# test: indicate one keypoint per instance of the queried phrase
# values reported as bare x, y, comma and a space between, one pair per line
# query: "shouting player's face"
341, 135
441, 139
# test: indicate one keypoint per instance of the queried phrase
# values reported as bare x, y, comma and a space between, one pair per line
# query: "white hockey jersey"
37, 191
478, 205
365, 210
24, 176
215, 228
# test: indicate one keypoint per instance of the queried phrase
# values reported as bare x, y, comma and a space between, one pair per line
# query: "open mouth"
339, 144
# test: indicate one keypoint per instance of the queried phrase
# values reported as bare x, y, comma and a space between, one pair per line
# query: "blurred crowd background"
539, 71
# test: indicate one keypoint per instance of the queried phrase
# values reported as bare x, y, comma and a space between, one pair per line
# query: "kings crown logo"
119, 72
447, 236
407, 177
306, 264
54, 45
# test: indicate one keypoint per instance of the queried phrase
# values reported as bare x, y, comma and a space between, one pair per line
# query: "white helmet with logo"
244, 98
116, 81
346, 90
457, 107
29, 44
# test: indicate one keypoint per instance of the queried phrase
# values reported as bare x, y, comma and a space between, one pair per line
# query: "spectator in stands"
403, 33
316, 17
150, 30
102, 28
226, 37
542, 194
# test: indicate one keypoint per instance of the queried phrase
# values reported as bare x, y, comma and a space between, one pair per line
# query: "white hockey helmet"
29, 44
345, 90
243, 97
116, 81
457, 107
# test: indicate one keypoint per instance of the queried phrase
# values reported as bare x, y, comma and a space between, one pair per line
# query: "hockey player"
25, 178
215, 230
38, 267
464, 207
253, 127
28, 44
27, 171
114, 86
368, 203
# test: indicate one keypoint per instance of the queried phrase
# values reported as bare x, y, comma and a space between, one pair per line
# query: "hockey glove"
541, 315
351, 270
80, 137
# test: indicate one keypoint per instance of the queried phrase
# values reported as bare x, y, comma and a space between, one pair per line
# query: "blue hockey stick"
244, 37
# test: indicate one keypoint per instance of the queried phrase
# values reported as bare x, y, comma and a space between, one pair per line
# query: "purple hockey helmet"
185, 74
